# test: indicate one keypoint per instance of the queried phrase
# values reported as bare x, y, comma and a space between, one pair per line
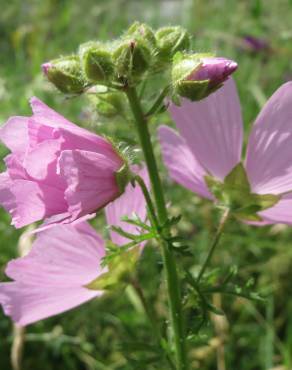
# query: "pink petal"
61, 219
212, 129
15, 168
131, 202
90, 178
181, 163
41, 164
51, 278
269, 154
62, 256
47, 115
29, 201
280, 213
47, 124
14, 134
27, 304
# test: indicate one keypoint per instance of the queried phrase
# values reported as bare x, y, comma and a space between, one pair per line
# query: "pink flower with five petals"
210, 141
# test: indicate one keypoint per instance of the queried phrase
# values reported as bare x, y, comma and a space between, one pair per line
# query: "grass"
113, 333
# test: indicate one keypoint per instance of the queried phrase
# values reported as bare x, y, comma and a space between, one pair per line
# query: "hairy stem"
148, 199
173, 284
148, 309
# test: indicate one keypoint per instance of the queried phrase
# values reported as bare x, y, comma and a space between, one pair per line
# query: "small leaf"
210, 307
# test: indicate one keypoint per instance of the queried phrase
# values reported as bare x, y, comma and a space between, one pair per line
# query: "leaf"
136, 221
171, 221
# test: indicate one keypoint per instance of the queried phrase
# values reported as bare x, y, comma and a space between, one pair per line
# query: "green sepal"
235, 193
110, 104
96, 61
170, 40
142, 31
184, 67
132, 57
123, 177
237, 178
119, 271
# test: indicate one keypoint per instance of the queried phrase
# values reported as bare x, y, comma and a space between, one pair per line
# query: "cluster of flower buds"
119, 63
125, 62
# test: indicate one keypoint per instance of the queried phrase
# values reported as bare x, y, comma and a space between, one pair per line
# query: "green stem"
148, 199
215, 242
153, 321
173, 286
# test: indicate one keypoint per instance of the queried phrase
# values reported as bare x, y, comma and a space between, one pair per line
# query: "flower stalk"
173, 285
225, 217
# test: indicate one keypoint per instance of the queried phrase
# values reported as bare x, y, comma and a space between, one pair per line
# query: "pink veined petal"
46, 115
41, 161
62, 256
61, 219
27, 304
281, 213
212, 129
47, 124
181, 163
131, 202
269, 154
90, 178
14, 134
29, 201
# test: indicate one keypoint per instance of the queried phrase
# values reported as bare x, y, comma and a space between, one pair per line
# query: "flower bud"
196, 76
96, 61
110, 104
66, 74
171, 40
142, 31
132, 57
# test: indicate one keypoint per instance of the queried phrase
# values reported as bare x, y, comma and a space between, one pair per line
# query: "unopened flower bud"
110, 104
196, 76
66, 74
96, 61
143, 31
171, 40
132, 57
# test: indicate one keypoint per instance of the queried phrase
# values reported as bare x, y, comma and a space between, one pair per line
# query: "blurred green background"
112, 333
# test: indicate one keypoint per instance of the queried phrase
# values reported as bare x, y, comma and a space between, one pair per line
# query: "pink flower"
210, 146
64, 259
55, 168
